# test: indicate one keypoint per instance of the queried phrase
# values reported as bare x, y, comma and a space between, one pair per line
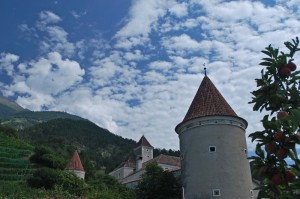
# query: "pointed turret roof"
75, 163
208, 101
144, 142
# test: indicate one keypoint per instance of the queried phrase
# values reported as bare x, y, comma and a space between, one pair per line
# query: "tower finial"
204, 69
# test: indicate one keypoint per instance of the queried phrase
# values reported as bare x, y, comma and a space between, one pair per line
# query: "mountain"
27, 118
63, 132
8, 107
14, 115
103, 148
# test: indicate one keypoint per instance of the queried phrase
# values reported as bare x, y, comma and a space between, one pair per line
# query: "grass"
14, 163
19, 190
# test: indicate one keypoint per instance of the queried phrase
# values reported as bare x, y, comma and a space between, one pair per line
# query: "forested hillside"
63, 132
96, 145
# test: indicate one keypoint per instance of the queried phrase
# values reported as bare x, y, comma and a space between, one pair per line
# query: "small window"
245, 151
251, 194
212, 149
216, 192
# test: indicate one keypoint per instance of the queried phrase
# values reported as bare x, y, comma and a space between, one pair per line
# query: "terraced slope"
14, 163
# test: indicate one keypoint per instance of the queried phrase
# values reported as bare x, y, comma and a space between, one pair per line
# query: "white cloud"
57, 41
143, 15
48, 17
56, 38
181, 44
179, 9
161, 65
44, 78
77, 15
7, 61
134, 56
131, 85
143, 19
230, 11
152, 77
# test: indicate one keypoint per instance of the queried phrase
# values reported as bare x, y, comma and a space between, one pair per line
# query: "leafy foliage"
45, 157
159, 184
17, 189
9, 131
49, 178
107, 187
49, 181
278, 94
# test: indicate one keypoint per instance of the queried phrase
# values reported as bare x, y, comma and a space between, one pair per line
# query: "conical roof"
208, 101
144, 142
75, 163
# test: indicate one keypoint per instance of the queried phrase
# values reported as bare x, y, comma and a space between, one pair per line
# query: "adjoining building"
129, 172
75, 166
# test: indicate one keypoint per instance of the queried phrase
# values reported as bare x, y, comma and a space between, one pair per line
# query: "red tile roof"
144, 142
165, 159
75, 163
208, 101
130, 162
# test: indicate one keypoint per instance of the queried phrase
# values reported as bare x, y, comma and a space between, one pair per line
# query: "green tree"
9, 131
107, 187
49, 178
278, 95
159, 184
45, 157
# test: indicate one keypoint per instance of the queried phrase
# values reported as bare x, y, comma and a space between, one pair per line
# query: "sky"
134, 66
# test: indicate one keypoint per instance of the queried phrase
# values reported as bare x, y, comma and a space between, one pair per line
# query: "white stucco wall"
80, 174
122, 172
227, 169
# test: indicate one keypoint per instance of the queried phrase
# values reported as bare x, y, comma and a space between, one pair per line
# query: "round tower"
213, 148
75, 166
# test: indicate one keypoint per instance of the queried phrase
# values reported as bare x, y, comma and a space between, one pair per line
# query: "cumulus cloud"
179, 9
180, 44
143, 79
161, 65
57, 41
44, 78
49, 17
7, 61
143, 19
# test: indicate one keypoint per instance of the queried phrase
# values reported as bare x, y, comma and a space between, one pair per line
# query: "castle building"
129, 172
75, 166
213, 148
143, 152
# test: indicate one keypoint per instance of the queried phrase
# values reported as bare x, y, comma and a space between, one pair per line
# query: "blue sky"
133, 67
